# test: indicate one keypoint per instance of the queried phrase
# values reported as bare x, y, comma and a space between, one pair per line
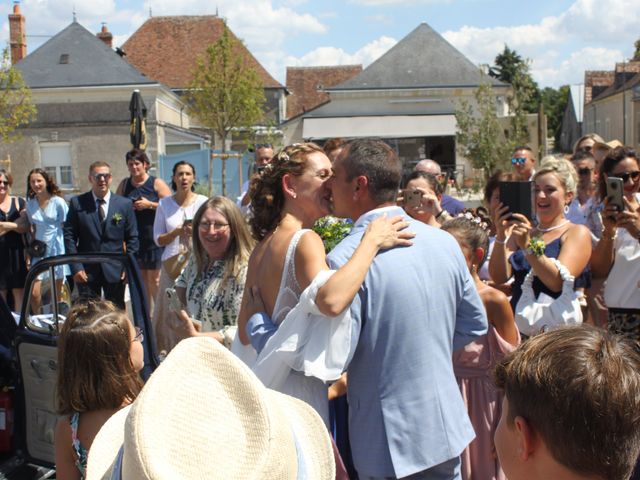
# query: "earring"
566, 209
294, 195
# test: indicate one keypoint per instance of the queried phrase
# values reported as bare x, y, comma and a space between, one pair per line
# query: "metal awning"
389, 126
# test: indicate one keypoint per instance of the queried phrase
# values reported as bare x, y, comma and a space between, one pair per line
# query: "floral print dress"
208, 300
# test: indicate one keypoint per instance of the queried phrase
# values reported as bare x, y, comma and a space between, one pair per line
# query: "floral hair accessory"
475, 219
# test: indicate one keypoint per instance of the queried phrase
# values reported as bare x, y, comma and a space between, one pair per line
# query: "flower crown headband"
475, 219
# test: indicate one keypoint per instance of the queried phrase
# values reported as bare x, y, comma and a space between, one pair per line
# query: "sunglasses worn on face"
4, 182
627, 175
585, 171
101, 176
518, 160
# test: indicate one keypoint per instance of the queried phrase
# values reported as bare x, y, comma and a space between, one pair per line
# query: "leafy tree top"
16, 107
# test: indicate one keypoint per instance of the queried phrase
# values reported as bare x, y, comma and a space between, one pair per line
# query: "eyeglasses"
4, 182
101, 176
518, 160
627, 175
205, 226
585, 171
139, 336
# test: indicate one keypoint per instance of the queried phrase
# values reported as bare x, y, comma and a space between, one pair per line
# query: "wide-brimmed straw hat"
204, 415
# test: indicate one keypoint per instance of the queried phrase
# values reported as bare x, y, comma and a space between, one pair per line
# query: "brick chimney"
105, 35
17, 35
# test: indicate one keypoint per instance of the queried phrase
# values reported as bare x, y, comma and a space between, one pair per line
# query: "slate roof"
166, 48
422, 59
623, 81
75, 57
305, 85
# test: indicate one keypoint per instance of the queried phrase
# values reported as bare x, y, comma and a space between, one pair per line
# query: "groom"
417, 304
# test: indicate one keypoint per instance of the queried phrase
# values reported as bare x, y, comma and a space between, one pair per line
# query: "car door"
35, 347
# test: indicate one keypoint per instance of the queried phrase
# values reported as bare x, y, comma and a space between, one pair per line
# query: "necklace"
550, 229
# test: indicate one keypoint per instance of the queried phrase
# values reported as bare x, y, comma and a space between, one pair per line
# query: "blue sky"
562, 38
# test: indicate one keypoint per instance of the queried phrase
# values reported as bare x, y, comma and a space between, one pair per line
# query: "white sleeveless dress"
308, 349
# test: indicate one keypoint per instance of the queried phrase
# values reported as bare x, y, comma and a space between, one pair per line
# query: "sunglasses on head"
627, 175
263, 145
585, 171
518, 160
101, 176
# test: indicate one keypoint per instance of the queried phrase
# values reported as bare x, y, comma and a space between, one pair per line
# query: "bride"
289, 267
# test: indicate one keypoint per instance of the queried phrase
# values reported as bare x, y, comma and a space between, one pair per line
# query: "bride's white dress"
308, 349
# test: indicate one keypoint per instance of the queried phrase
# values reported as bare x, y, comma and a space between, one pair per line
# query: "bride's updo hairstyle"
267, 197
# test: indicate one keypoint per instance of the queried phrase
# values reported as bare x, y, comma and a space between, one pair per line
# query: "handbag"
175, 265
36, 248
535, 315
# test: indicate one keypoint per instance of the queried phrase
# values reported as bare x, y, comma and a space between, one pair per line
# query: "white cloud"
337, 56
571, 70
586, 25
377, 3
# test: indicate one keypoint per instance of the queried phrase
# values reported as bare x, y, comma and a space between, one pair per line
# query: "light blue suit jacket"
406, 413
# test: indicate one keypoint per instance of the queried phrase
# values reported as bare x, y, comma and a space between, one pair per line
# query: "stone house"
408, 97
82, 88
612, 103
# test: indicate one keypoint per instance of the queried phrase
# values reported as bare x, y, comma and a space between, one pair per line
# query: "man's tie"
99, 203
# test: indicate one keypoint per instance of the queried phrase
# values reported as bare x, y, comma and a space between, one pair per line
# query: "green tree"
636, 53
554, 103
511, 68
226, 92
16, 107
479, 135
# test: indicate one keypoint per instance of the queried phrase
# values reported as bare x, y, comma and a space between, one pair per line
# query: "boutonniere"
332, 230
116, 218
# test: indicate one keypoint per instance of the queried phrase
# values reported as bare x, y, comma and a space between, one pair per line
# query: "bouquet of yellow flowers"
332, 230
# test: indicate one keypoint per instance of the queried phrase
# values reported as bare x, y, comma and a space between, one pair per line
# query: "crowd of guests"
416, 317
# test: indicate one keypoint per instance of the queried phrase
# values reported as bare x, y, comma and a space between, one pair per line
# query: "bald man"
452, 205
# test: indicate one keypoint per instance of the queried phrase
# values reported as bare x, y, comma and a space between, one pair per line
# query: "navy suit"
84, 233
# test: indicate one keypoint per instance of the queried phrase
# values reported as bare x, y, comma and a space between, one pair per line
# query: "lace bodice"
290, 290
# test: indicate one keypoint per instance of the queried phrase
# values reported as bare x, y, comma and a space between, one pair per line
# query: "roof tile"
167, 48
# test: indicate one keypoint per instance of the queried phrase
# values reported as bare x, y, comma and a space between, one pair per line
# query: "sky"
561, 38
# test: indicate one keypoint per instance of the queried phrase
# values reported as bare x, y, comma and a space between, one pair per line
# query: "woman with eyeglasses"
13, 223
172, 230
211, 286
617, 254
585, 206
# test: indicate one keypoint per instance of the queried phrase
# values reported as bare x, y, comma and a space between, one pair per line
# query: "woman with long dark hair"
47, 212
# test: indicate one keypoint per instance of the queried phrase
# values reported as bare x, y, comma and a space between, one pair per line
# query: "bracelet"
535, 247
439, 214
610, 237
501, 242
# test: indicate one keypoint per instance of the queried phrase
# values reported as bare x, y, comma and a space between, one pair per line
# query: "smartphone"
187, 221
176, 305
412, 198
174, 301
518, 196
615, 190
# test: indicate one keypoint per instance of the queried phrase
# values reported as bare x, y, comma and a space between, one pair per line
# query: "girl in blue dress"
47, 211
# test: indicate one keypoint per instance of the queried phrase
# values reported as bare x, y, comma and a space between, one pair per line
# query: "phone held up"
615, 190
518, 196
411, 198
